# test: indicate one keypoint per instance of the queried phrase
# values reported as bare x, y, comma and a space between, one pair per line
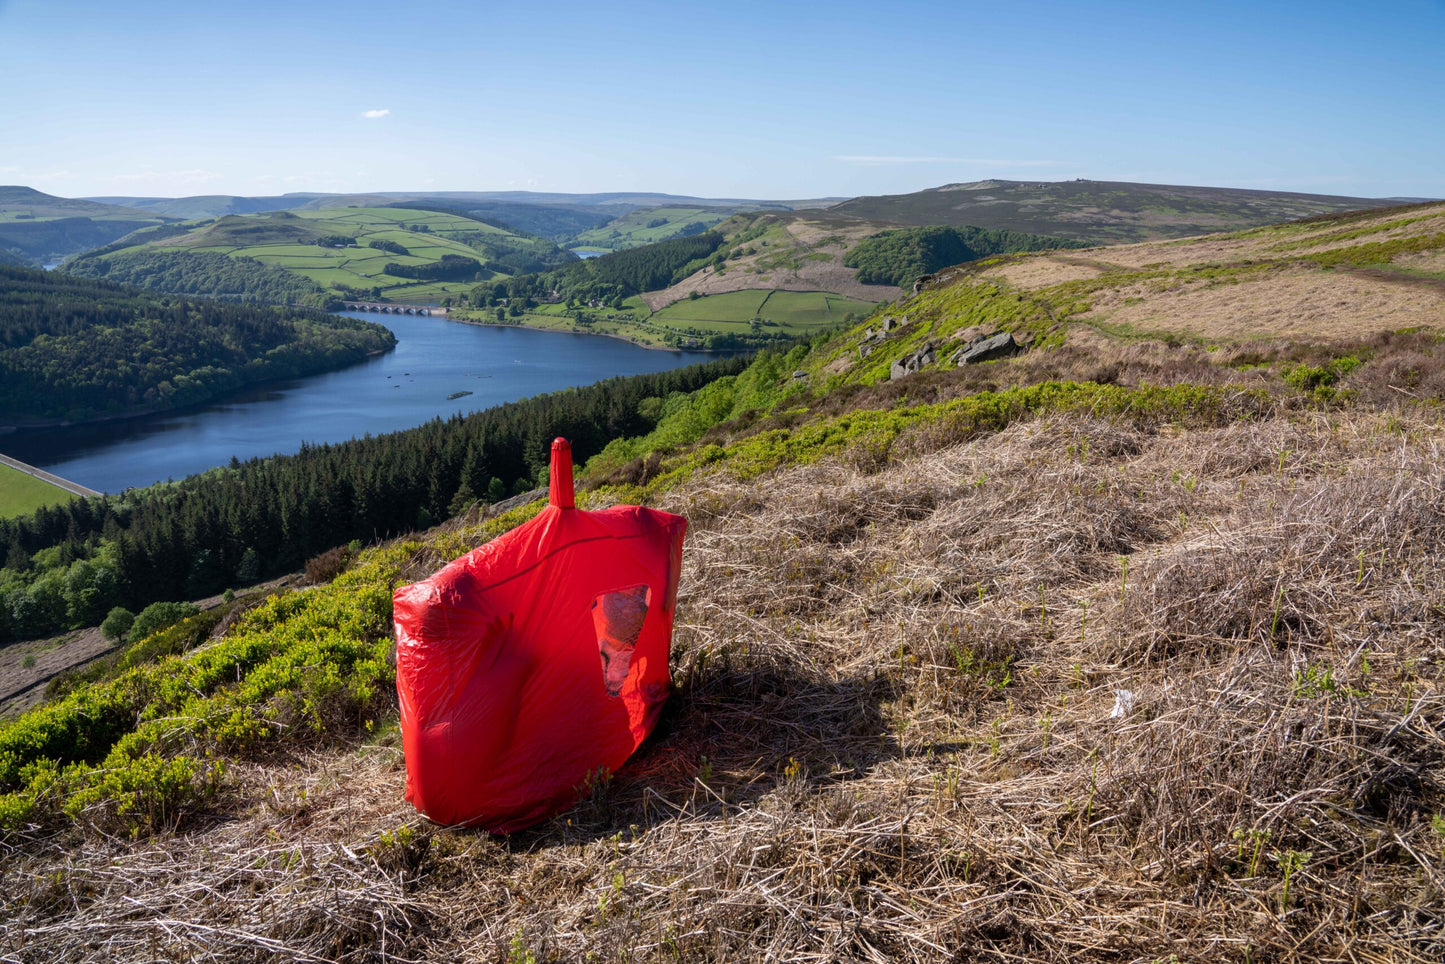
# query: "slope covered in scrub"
1128, 646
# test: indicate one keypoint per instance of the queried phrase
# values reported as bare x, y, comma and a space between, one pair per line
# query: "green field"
648, 226
796, 312
289, 240
21, 494
690, 323
735, 306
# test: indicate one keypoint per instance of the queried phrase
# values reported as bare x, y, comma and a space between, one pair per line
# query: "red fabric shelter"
531, 662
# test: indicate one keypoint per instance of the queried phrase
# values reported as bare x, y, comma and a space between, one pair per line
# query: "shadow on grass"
729, 737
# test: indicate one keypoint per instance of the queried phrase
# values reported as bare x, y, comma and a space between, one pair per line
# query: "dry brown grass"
893, 736
1302, 302
1424, 261
1042, 270
1256, 284
1212, 249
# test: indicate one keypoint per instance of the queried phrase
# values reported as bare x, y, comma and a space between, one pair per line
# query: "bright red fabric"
531, 662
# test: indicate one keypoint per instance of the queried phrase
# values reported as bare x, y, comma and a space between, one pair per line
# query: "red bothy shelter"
537, 659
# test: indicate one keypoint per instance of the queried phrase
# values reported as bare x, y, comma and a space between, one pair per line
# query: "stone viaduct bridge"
390, 309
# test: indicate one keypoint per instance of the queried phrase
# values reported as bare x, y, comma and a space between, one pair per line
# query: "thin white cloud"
375, 114
879, 159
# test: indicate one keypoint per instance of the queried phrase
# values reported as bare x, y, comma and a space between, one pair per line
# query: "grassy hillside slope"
647, 225
36, 228
698, 308
1316, 282
336, 249
22, 494
25, 203
1124, 648
1100, 212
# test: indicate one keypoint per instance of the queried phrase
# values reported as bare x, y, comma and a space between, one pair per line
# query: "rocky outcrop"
986, 348
873, 337
915, 361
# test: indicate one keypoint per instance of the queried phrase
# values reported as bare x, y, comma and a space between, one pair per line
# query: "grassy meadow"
783, 314
22, 494
647, 226
793, 312
288, 240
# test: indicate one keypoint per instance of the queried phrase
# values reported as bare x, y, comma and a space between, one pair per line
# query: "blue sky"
738, 99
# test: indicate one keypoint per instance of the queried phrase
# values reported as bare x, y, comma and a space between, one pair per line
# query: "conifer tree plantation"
66, 566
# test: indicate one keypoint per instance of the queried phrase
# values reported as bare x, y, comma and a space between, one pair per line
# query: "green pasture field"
363, 266
209, 248
428, 251
632, 230
811, 309
559, 310
407, 291
22, 494
782, 312
384, 219
289, 250
733, 306
287, 240
292, 261
792, 311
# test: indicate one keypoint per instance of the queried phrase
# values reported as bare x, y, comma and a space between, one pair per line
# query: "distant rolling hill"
630, 200
36, 228
396, 254
19, 201
1099, 212
557, 220
209, 205
578, 218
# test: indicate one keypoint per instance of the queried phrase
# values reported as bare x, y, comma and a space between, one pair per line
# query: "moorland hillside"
1123, 645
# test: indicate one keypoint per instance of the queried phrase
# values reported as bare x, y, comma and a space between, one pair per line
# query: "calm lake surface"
433, 358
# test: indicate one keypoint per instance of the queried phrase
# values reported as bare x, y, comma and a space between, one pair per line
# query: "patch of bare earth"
1080, 690
26, 667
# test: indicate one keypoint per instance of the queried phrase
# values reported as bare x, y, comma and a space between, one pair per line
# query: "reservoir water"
434, 359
